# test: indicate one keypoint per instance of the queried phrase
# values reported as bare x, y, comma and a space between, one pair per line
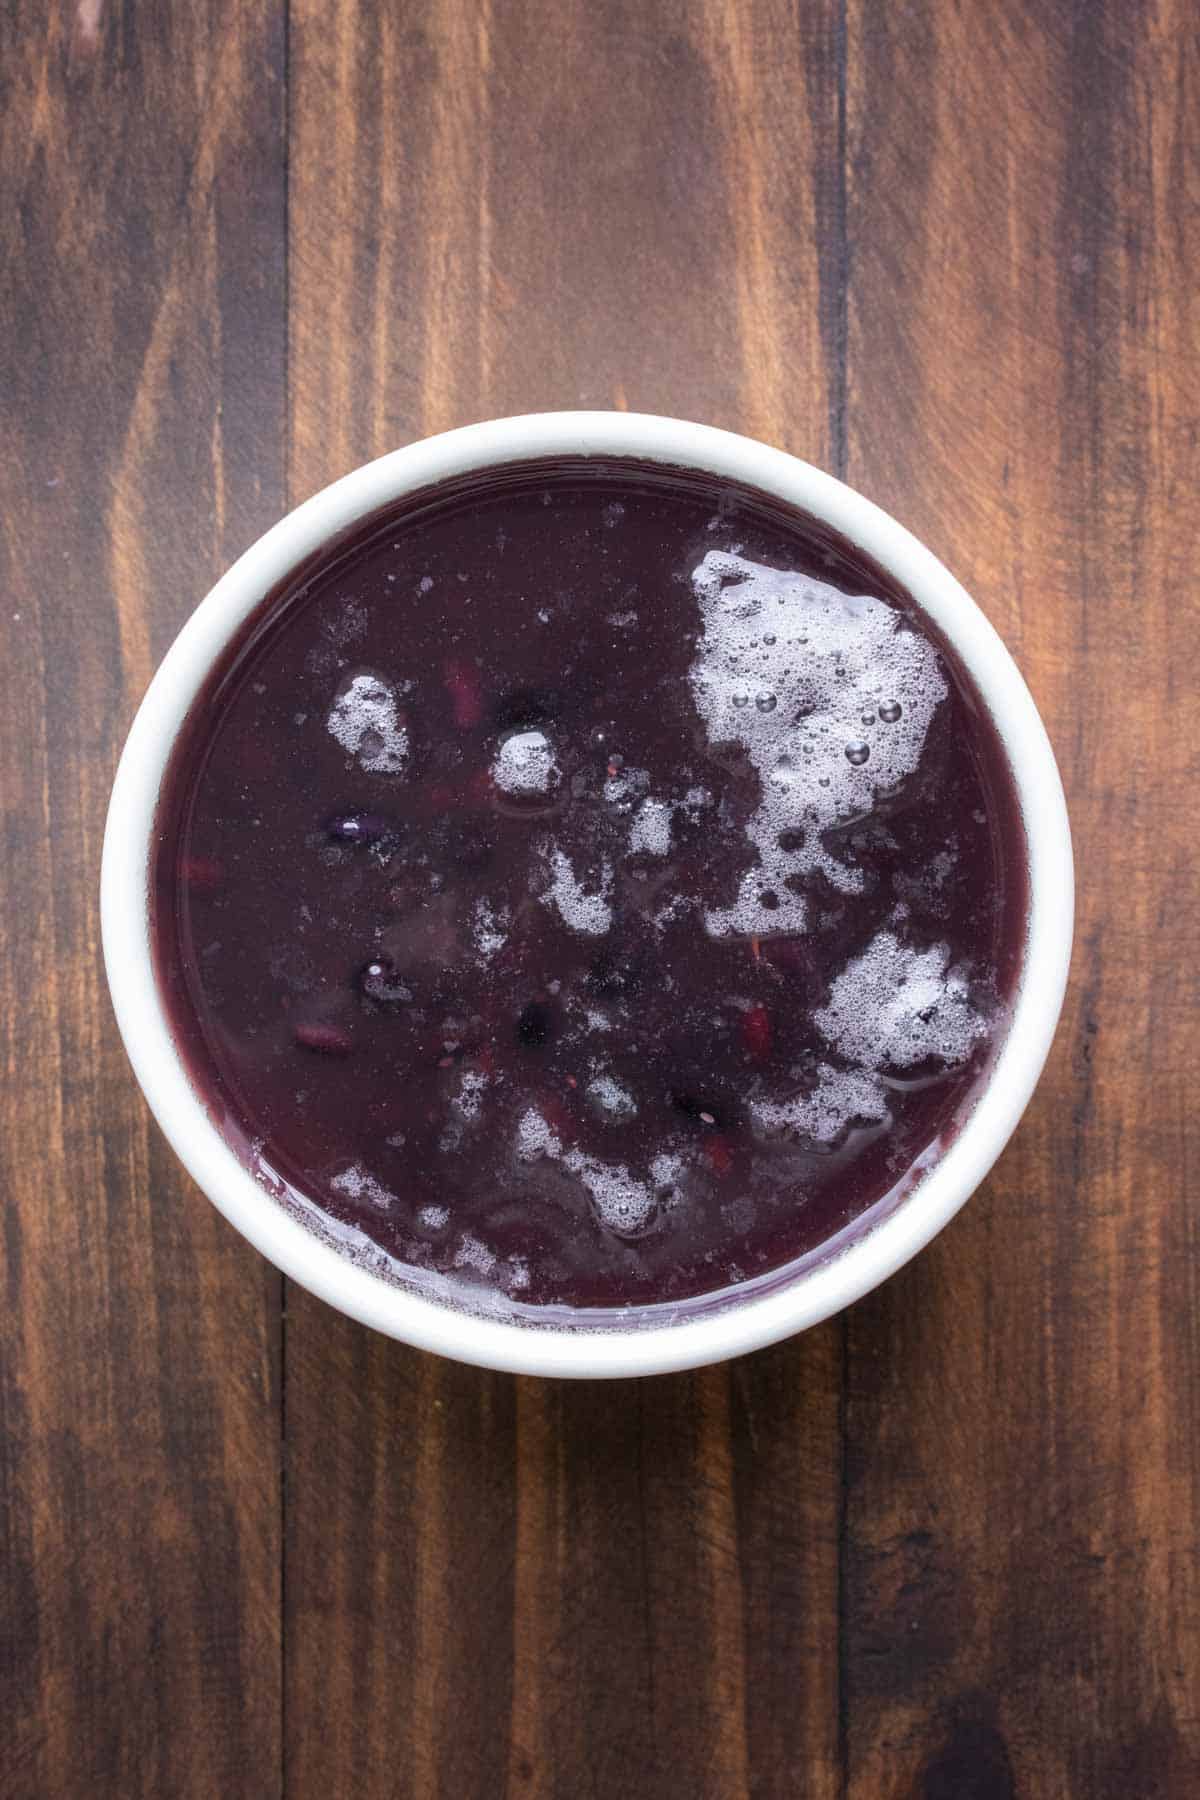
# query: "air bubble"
769, 637
857, 753
740, 700
766, 703
890, 712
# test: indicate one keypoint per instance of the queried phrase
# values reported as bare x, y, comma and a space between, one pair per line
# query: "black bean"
535, 1026
523, 707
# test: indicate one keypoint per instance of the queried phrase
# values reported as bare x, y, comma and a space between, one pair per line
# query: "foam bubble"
350, 1182
535, 1138
357, 1183
525, 763
893, 1006
365, 721
676, 908
434, 1217
610, 1100
590, 913
665, 1170
787, 669
625, 1204
839, 1098
490, 926
470, 1093
471, 1254
650, 832
623, 788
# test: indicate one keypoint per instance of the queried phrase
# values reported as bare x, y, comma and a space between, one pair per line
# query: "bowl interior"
650, 1339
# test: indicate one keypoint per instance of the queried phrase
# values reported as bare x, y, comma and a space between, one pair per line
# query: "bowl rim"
817, 1291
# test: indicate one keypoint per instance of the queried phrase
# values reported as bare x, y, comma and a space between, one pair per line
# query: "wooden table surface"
944, 1546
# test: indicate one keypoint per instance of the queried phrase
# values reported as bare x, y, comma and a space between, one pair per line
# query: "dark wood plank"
1024, 1495
520, 1587
141, 344
548, 1589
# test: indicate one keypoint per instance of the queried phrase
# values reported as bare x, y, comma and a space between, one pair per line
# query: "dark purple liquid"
575, 905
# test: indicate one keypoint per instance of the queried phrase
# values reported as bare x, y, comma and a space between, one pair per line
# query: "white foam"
590, 913
535, 1138
470, 1093
650, 832
821, 1115
348, 622
665, 1170
434, 1217
788, 668
623, 788
490, 925
613, 1102
525, 763
893, 1006
358, 1183
471, 1254
350, 1182
365, 721
675, 908
624, 1203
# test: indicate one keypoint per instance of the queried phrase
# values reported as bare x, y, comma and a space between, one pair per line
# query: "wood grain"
553, 205
944, 1549
1024, 1501
141, 315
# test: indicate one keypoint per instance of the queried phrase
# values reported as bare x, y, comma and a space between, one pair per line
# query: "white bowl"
693, 1335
